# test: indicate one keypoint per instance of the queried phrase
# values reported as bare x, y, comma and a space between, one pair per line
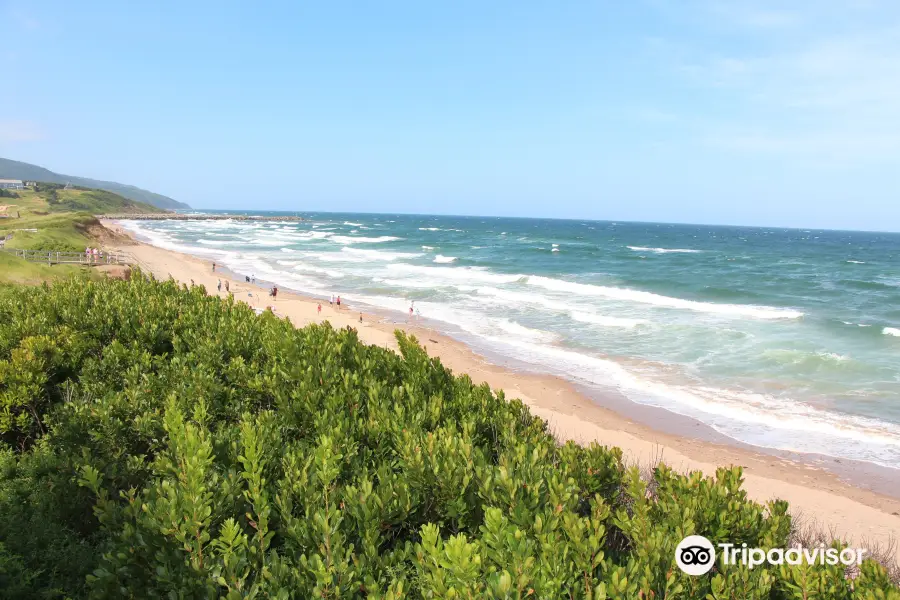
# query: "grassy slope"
27, 172
63, 224
16, 271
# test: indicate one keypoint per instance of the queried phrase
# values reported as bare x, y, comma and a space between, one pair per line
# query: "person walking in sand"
227, 287
253, 279
274, 292
331, 301
360, 317
214, 268
219, 287
319, 309
339, 302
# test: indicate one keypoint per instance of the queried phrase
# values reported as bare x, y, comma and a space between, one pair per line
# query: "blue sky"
739, 112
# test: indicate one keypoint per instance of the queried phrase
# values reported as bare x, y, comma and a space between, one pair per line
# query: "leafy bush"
164, 443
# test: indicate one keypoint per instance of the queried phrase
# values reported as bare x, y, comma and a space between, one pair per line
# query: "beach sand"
858, 515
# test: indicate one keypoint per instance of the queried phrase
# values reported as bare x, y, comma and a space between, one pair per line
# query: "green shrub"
164, 443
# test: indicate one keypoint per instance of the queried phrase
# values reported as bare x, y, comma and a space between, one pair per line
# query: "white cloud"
13, 131
828, 88
752, 15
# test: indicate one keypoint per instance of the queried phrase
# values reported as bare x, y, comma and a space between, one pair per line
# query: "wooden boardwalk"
72, 258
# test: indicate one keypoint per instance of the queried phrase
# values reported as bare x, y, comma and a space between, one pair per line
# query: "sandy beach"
858, 515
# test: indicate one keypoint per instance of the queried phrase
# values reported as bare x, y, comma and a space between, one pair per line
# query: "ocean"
780, 338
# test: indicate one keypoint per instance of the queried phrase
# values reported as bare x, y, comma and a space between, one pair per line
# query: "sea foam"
344, 239
628, 295
664, 250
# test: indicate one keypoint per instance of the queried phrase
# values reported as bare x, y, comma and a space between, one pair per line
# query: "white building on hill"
11, 184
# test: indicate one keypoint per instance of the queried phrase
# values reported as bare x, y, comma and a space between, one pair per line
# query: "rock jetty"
199, 217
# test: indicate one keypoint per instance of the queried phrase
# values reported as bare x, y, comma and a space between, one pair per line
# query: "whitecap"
379, 254
891, 331
664, 250
759, 312
342, 239
454, 274
517, 299
444, 259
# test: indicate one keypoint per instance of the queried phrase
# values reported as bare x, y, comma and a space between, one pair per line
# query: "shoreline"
858, 501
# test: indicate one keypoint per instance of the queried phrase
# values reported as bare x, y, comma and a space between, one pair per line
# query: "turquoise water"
786, 339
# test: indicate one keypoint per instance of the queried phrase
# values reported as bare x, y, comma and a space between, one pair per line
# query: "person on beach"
319, 308
227, 287
360, 317
253, 279
274, 292
339, 302
219, 287
247, 278
331, 301
214, 267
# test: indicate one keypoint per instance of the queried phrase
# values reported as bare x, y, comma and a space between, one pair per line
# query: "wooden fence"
75, 258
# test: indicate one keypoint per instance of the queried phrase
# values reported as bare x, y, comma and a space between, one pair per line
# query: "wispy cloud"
17, 15
753, 15
830, 87
15, 131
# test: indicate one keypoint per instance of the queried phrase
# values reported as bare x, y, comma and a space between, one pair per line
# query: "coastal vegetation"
158, 442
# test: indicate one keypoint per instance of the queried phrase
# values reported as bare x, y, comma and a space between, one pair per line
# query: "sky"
699, 111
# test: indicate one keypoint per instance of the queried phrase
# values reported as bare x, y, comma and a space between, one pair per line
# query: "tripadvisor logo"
695, 555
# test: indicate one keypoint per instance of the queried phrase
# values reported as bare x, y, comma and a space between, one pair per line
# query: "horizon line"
590, 220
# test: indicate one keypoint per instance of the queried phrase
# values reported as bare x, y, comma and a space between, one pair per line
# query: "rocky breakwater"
197, 217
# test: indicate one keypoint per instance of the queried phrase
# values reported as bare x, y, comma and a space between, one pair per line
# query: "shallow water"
787, 339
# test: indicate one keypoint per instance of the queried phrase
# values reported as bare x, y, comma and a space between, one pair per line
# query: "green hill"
52, 218
13, 169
